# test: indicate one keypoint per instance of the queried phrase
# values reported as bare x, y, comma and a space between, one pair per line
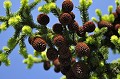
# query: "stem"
38, 60
84, 15
8, 12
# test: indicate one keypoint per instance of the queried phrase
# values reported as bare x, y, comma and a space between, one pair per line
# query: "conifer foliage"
76, 51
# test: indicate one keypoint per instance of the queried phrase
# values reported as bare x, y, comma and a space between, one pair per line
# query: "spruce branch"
84, 11
56, 11
33, 4
3, 19
16, 41
23, 49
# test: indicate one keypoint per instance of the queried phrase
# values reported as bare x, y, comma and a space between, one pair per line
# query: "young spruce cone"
70, 75
65, 18
67, 6
64, 52
105, 24
39, 44
73, 26
43, 19
65, 69
64, 61
57, 69
80, 70
89, 26
57, 28
52, 54
59, 40
31, 39
81, 32
82, 49
46, 65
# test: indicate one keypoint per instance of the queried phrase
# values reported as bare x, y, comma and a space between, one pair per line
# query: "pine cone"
31, 39
70, 75
67, 6
64, 61
80, 70
73, 26
82, 49
65, 18
65, 69
59, 40
43, 19
57, 28
52, 54
81, 32
89, 26
39, 44
46, 65
57, 69
64, 52
105, 24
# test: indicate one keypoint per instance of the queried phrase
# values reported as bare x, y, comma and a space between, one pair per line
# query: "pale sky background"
17, 70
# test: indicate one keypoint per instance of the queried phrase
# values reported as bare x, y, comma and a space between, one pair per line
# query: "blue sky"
17, 70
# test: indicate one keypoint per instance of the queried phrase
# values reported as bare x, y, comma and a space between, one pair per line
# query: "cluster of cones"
60, 54
111, 26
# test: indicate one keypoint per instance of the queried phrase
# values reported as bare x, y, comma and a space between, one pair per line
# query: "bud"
89, 2
119, 42
119, 31
97, 30
7, 4
3, 57
24, 2
52, 5
44, 56
14, 20
82, 2
63, 77
30, 61
90, 40
5, 48
110, 8
117, 2
40, 9
18, 17
98, 12
3, 26
45, 8
118, 76
26, 29
7, 62
114, 39
101, 63
105, 17
111, 18
94, 19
